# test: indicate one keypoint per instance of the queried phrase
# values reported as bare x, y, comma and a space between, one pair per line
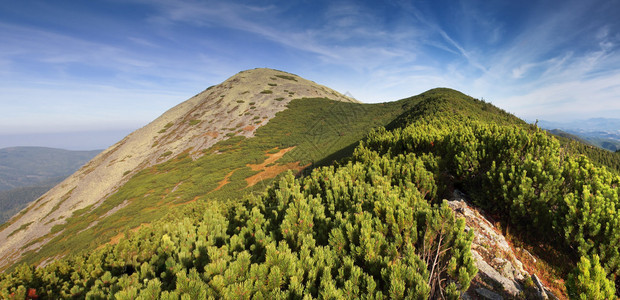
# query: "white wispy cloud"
555, 61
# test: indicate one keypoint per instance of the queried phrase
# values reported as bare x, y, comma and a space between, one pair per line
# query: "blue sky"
115, 65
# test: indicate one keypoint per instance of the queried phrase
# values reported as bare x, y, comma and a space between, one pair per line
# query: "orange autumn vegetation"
115, 239
224, 181
273, 170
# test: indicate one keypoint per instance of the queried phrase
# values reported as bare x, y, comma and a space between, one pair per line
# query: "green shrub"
287, 77
589, 281
23, 227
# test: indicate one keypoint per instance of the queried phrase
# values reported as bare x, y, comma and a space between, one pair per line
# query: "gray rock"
486, 294
550, 294
493, 277
542, 294
496, 260
529, 255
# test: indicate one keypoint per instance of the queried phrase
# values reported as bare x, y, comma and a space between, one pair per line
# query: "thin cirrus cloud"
548, 59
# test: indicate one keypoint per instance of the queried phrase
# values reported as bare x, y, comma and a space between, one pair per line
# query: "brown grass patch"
183, 203
551, 273
274, 170
117, 238
249, 128
212, 134
224, 181
271, 158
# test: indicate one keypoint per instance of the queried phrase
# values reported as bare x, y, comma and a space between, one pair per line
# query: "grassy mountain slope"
608, 143
604, 143
371, 225
235, 108
598, 156
600, 132
566, 135
26, 166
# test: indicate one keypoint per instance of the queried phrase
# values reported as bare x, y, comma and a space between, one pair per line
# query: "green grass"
165, 128
267, 92
24, 226
194, 122
287, 77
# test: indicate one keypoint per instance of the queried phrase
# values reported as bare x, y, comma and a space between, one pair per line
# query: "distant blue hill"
83, 140
24, 166
26, 173
600, 132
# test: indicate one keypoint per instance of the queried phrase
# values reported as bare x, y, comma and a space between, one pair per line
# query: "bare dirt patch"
249, 128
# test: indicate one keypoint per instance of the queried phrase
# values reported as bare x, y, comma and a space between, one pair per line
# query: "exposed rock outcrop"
501, 273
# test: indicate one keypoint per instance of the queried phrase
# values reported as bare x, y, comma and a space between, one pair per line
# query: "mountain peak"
236, 107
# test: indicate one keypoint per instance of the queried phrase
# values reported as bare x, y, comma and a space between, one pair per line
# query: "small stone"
528, 254
550, 294
539, 287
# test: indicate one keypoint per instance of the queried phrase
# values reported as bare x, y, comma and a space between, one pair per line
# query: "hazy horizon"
76, 141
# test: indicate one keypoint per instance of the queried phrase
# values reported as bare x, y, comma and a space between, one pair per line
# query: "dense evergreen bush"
363, 229
519, 172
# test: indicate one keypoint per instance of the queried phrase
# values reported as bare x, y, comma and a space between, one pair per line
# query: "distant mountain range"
600, 132
26, 173
23, 166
